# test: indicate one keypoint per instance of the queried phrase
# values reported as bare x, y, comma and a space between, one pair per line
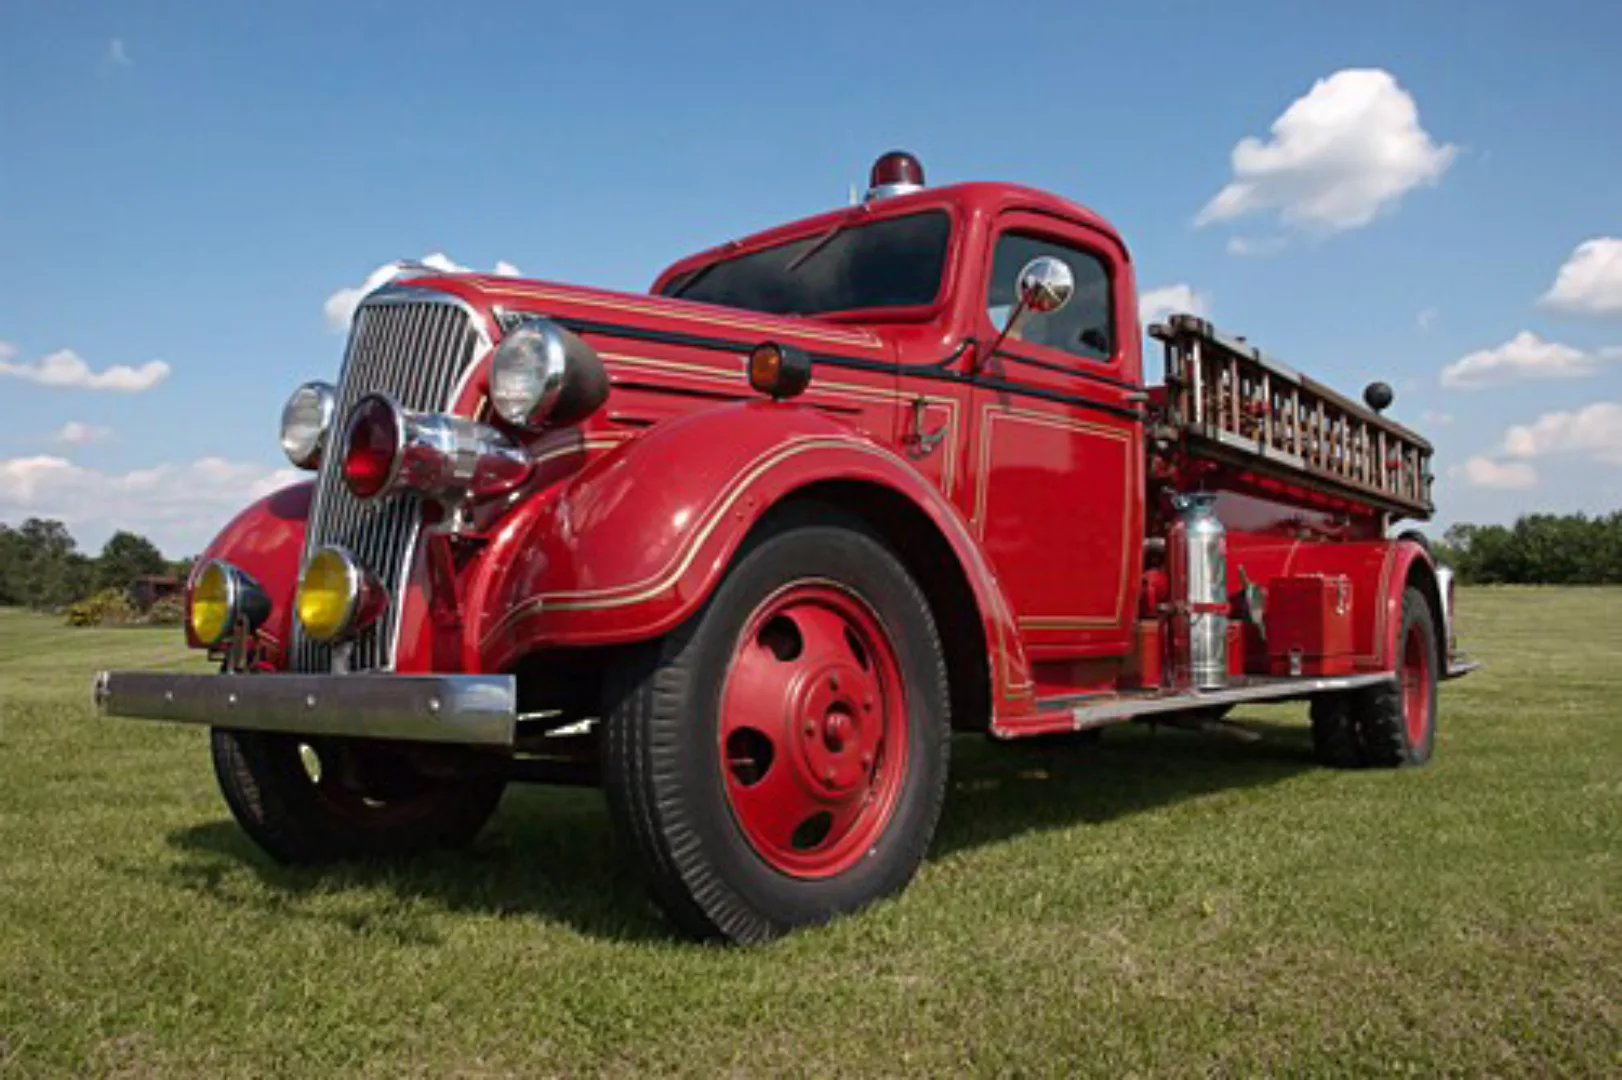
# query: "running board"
1101, 710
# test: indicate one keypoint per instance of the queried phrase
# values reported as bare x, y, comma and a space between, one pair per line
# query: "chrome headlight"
306, 422
542, 374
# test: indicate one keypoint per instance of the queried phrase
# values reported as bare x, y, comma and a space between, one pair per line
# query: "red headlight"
372, 446
448, 458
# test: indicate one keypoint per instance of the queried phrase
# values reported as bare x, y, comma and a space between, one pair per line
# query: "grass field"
1164, 903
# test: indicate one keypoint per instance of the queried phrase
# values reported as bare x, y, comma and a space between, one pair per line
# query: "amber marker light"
222, 596
337, 596
779, 371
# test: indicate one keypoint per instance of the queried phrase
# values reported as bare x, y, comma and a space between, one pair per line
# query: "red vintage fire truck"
749, 549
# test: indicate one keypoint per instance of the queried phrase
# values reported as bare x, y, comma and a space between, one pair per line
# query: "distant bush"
170, 611
109, 607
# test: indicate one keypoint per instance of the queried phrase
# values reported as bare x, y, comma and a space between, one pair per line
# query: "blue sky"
186, 184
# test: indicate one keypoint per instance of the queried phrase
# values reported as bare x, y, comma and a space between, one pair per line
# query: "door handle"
921, 443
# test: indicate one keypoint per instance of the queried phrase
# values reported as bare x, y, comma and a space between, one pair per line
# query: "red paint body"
1040, 487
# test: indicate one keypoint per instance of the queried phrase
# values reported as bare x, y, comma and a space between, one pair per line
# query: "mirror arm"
1014, 316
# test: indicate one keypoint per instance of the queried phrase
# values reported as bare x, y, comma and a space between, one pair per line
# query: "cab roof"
971, 199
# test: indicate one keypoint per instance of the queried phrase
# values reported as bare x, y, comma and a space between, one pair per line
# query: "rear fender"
265, 541
1412, 567
633, 544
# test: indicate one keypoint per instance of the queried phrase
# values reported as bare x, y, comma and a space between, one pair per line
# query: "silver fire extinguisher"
1197, 551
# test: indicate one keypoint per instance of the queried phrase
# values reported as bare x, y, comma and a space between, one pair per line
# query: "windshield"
896, 262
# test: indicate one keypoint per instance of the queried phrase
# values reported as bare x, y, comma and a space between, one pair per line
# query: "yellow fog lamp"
222, 597
337, 596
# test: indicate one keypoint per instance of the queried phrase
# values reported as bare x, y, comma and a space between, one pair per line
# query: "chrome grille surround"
419, 346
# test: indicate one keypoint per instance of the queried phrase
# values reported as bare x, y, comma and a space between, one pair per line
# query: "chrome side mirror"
1045, 284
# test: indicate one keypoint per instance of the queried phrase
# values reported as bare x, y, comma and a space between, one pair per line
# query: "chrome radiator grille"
414, 345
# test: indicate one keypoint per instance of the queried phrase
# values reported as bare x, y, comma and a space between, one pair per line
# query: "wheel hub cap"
813, 730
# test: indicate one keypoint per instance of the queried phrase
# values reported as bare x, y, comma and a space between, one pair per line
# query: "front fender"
634, 543
265, 540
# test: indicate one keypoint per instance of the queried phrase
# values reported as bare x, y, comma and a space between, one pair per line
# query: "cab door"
1056, 441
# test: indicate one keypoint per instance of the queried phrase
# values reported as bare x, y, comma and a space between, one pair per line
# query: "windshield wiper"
693, 279
806, 255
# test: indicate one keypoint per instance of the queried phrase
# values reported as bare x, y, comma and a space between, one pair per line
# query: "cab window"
1084, 327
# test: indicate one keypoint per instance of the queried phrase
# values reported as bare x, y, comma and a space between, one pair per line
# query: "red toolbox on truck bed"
1309, 625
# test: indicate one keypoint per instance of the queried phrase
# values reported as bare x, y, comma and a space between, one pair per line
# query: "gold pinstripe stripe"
620, 595
819, 388
990, 414
824, 334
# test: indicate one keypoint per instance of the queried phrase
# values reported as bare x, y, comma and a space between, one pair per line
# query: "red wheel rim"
813, 732
1416, 680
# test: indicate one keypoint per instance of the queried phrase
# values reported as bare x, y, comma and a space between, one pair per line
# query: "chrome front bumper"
476, 710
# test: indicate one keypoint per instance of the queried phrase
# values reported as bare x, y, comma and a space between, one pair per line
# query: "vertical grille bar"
415, 346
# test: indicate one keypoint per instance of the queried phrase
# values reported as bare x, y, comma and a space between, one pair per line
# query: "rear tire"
781, 758
1397, 721
1335, 740
305, 800
1392, 724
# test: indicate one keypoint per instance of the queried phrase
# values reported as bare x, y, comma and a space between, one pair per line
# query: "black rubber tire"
298, 820
663, 775
1335, 740
1377, 711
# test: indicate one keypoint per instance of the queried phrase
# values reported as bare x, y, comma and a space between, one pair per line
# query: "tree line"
42, 567
1539, 549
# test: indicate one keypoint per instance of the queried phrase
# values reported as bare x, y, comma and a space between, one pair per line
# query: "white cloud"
1594, 431
1353, 146
76, 433
1524, 356
1483, 472
1590, 281
1426, 318
179, 507
1435, 418
340, 306
118, 53
1257, 245
1157, 304
65, 368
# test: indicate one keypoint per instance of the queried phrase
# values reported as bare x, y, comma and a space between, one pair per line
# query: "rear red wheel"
813, 729
1396, 722
1418, 683
781, 757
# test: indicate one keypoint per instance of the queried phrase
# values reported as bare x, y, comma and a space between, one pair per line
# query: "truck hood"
633, 317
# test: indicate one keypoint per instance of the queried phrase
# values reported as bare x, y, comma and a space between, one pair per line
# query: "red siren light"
895, 173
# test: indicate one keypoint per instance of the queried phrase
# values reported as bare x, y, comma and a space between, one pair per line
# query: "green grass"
1164, 903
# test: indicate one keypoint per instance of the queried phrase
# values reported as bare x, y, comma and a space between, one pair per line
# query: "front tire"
308, 800
781, 758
